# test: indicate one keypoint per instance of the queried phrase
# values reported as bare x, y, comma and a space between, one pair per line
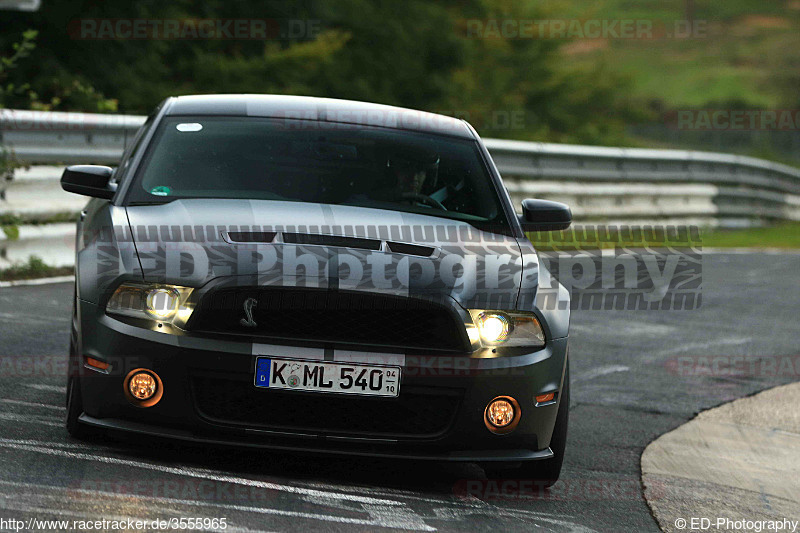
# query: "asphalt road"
627, 391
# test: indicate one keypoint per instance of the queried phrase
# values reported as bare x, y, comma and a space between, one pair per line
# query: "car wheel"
75, 409
545, 472
74, 399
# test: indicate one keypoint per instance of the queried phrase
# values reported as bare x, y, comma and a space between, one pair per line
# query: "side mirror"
88, 180
544, 215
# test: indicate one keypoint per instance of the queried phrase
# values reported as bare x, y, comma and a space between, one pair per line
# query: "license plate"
318, 376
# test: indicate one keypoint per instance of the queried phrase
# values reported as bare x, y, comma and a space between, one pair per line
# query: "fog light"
502, 415
143, 387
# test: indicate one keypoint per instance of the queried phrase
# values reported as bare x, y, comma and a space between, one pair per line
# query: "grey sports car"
320, 276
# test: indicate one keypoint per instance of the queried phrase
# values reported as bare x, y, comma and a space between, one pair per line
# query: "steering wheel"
424, 199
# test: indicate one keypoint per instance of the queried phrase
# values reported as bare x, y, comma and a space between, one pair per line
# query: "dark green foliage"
414, 53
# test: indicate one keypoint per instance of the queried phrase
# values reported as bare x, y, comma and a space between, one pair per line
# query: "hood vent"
312, 239
331, 240
251, 236
410, 249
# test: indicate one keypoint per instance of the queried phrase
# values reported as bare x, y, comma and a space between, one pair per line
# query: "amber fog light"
502, 415
143, 387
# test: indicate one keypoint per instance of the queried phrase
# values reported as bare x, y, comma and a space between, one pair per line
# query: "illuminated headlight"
502, 328
492, 327
162, 303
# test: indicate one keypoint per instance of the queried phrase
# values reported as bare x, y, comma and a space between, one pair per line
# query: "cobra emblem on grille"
248, 311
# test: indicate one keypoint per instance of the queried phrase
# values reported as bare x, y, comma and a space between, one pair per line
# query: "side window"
132, 148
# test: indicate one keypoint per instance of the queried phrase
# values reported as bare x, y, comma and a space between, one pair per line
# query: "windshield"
309, 161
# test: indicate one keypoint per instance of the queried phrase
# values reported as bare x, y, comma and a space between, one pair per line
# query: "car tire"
75, 409
74, 398
544, 472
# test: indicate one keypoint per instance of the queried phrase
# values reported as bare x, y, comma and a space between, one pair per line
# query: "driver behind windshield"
412, 179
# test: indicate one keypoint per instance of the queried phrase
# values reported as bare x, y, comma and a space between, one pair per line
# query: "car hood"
192, 242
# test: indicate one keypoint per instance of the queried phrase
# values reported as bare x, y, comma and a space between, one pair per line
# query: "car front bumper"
178, 359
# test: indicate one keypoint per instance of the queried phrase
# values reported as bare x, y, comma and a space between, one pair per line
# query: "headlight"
502, 328
162, 303
492, 327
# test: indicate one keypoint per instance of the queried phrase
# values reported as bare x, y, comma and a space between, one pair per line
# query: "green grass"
13, 219
33, 269
670, 9
11, 232
742, 55
785, 235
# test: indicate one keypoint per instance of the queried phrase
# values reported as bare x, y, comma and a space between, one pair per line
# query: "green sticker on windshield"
161, 190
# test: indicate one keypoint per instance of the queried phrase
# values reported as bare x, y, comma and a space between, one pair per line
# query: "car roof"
318, 109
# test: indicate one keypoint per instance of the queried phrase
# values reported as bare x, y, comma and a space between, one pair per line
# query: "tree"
415, 53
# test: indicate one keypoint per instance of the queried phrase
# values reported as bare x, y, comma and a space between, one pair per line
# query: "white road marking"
406, 518
626, 327
27, 318
182, 471
601, 371
705, 345
36, 442
32, 404
401, 493
48, 388
748, 251
398, 518
465, 506
47, 421
4, 504
461, 514
197, 503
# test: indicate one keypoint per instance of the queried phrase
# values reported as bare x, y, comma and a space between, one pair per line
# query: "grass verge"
14, 219
34, 268
785, 235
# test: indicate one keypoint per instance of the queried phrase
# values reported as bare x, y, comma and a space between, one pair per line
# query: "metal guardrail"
39, 137
626, 185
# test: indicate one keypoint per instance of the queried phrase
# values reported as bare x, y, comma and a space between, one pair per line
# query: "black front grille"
340, 317
416, 413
